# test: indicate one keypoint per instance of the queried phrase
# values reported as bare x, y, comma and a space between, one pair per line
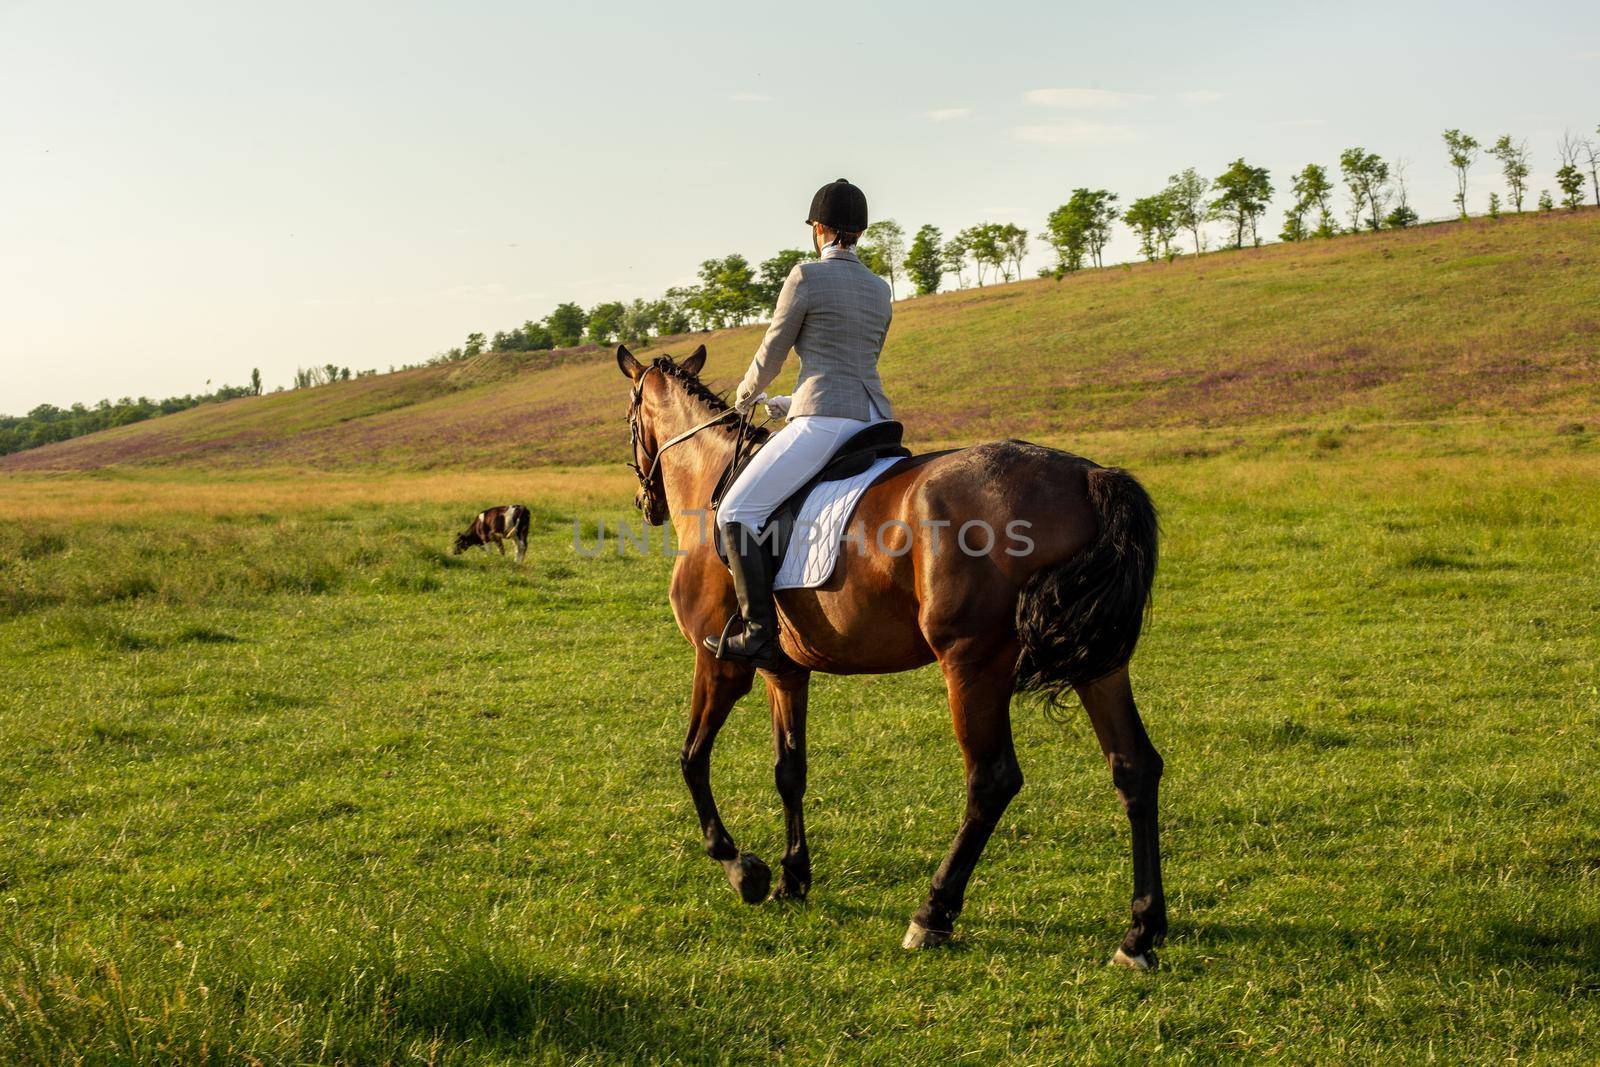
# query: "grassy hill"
1471, 319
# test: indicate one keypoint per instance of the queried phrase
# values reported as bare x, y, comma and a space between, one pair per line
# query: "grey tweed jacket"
834, 313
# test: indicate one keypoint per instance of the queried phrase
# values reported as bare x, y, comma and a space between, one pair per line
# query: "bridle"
635, 438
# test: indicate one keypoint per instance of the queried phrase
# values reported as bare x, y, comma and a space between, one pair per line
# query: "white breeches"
787, 461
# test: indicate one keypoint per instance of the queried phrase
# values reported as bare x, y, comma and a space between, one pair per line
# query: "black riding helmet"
840, 207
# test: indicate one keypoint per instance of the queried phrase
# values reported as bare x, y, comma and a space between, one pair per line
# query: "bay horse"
1064, 615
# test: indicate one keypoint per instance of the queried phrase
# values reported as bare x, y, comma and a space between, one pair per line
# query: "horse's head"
465, 541
645, 410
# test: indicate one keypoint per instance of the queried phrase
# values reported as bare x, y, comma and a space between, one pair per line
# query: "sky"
188, 191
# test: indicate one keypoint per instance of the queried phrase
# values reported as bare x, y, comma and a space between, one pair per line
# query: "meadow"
289, 783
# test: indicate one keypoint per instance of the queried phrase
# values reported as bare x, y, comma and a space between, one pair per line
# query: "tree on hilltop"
1569, 178
566, 324
534, 337
925, 260
1513, 157
1242, 195
1402, 215
1154, 220
639, 320
1100, 209
1312, 192
1463, 151
677, 312
883, 248
727, 294
604, 321
1188, 192
982, 246
1080, 229
1013, 242
1066, 231
1591, 154
1366, 176
953, 259
528, 337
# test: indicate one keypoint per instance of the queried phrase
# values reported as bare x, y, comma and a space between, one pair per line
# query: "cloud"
1589, 55
945, 114
746, 97
1300, 123
1076, 132
1084, 99
1200, 96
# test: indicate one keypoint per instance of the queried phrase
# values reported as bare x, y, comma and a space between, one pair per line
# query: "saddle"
866, 446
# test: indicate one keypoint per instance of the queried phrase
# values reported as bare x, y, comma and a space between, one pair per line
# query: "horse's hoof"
1144, 961
792, 894
751, 877
919, 936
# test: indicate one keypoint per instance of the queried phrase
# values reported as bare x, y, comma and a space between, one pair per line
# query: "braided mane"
699, 390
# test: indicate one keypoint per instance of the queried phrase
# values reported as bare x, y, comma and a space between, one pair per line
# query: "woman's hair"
842, 239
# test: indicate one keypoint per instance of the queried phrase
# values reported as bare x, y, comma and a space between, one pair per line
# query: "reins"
742, 439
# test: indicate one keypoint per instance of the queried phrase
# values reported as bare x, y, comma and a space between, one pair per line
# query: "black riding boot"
752, 567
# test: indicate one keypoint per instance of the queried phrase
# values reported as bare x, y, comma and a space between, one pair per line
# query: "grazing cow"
497, 524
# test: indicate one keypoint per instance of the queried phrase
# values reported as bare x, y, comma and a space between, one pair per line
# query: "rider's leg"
785, 463
751, 563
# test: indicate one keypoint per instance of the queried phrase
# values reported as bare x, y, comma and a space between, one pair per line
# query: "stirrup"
722, 639
719, 648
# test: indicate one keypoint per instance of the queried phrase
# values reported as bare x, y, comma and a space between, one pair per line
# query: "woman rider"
834, 312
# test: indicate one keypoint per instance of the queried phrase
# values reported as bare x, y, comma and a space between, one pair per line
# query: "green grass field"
288, 783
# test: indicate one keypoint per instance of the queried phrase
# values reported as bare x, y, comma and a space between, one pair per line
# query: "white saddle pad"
820, 527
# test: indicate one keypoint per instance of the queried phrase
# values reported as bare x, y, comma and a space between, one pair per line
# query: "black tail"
523, 518
1079, 619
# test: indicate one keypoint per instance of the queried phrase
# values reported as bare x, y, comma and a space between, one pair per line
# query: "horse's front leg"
718, 685
787, 694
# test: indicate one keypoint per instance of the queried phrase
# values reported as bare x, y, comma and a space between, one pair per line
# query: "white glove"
745, 404
778, 406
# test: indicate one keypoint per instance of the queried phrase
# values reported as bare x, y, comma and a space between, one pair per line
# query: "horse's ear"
695, 361
629, 366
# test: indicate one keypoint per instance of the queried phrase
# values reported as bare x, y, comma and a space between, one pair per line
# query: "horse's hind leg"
522, 548
787, 695
1136, 773
980, 685
718, 685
